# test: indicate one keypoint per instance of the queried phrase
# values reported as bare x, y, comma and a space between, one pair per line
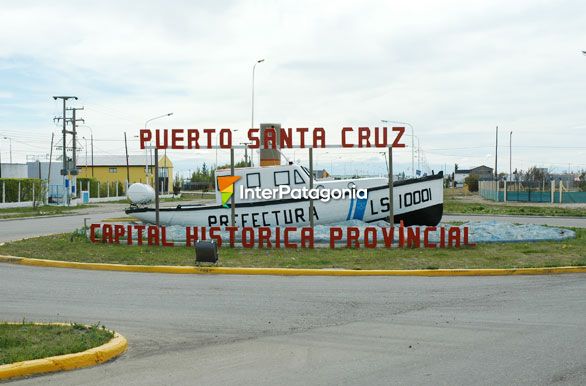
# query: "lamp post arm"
412, 141
152, 119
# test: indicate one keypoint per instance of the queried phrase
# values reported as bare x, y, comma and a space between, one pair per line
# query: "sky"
454, 70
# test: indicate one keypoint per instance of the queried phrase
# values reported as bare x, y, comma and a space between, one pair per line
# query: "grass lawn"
43, 210
456, 202
456, 207
505, 255
26, 341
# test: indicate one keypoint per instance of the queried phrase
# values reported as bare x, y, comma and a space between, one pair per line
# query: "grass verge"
27, 341
455, 207
459, 201
44, 210
504, 255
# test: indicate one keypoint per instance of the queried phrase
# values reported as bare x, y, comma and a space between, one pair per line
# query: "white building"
13, 170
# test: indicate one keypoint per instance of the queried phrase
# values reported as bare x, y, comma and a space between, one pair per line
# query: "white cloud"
454, 69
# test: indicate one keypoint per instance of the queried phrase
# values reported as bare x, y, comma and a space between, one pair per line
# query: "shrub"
472, 182
82, 183
27, 186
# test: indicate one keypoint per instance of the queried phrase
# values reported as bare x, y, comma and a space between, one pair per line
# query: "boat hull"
416, 202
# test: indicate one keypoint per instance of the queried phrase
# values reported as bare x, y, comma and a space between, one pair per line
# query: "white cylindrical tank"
141, 194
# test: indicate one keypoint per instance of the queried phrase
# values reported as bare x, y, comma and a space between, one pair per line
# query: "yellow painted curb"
115, 347
290, 271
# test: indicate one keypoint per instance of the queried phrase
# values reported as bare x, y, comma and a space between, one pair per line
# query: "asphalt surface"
17, 229
243, 330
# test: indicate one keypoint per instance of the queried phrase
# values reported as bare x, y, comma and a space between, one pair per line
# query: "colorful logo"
226, 186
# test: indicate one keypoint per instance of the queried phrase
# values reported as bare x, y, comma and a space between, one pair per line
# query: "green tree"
536, 174
472, 182
239, 164
177, 184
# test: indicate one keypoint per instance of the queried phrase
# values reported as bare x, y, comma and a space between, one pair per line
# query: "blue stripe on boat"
350, 209
360, 208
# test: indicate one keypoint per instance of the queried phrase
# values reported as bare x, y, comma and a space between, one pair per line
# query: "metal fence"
530, 191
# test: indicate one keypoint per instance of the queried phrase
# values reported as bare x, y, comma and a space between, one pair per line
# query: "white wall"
56, 177
459, 179
14, 170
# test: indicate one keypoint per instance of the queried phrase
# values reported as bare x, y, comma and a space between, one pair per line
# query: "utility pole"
127, 166
50, 161
391, 209
157, 186
311, 219
253, 69
157, 153
496, 153
165, 182
65, 169
9, 147
418, 156
74, 121
511, 156
73, 171
85, 163
246, 153
92, 142
233, 202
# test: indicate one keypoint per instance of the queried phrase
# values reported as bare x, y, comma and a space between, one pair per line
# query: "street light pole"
252, 114
147, 150
246, 153
10, 146
412, 141
92, 150
85, 140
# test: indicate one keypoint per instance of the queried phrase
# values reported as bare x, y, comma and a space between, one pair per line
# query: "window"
298, 178
281, 178
253, 180
113, 170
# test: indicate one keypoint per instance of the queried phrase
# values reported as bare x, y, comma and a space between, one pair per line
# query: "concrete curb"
115, 347
290, 271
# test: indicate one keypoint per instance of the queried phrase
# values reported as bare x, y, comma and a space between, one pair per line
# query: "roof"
482, 167
118, 160
476, 169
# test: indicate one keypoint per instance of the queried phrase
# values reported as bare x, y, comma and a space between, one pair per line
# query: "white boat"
417, 201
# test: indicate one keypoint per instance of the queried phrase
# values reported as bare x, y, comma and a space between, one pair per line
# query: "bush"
472, 182
82, 183
27, 186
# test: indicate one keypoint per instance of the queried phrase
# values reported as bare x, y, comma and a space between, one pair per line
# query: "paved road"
579, 222
22, 228
241, 330
16, 229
